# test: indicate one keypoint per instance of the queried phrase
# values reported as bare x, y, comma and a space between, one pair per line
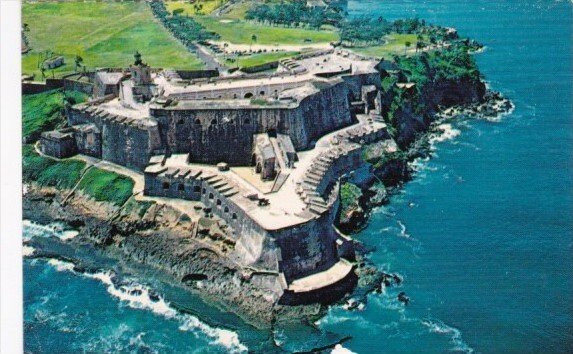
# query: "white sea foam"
445, 132
439, 327
55, 229
27, 250
403, 232
138, 296
61, 266
339, 349
499, 117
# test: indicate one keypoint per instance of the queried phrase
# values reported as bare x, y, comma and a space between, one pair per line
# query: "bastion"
262, 155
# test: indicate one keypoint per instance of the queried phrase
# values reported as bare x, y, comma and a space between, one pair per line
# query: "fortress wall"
254, 246
163, 186
197, 74
125, 144
216, 135
356, 81
308, 248
319, 114
76, 116
296, 251
339, 166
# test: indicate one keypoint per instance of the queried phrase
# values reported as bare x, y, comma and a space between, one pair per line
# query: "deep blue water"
482, 236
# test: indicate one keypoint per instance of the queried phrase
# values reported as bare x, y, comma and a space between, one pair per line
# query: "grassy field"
208, 6
48, 172
42, 111
239, 10
107, 186
240, 32
395, 45
100, 184
103, 33
257, 59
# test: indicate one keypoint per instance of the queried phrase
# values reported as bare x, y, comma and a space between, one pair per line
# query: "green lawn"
42, 111
240, 32
395, 45
45, 171
100, 184
104, 34
239, 10
108, 186
262, 58
189, 9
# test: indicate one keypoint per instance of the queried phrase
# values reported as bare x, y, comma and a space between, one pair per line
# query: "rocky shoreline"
155, 239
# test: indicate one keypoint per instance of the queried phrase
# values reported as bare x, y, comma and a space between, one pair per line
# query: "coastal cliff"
425, 92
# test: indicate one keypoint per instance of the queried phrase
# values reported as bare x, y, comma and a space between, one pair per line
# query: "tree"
253, 39
178, 11
406, 46
225, 46
78, 62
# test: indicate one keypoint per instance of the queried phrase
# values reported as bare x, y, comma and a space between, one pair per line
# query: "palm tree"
253, 39
78, 62
406, 46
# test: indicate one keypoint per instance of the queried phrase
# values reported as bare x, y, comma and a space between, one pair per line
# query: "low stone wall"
261, 67
81, 86
32, 87
197, 74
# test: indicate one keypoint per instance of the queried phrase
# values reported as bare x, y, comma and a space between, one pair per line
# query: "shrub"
349, 194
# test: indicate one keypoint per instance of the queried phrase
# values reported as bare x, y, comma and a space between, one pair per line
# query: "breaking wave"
439, 327
140, 296
339, 349
55, 229
403, 232
27, 250
444, 132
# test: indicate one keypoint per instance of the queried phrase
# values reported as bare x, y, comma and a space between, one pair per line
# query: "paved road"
208, 58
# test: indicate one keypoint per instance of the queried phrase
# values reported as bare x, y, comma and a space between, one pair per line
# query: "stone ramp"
320, 280
280, 180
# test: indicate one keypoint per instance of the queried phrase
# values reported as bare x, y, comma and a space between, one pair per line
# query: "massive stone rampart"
125, 141
294, 251
216, 134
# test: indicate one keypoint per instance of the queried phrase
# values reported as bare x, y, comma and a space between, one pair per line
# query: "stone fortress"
262, 154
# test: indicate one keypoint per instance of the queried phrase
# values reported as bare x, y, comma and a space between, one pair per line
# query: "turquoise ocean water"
482, 235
